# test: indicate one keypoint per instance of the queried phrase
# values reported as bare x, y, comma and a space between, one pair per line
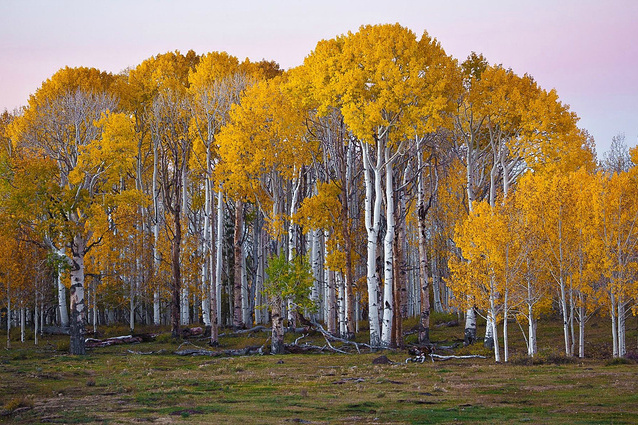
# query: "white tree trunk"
388, 256
492, 313
132, 303
36, 319
372, 218
62, 307
184, 306
622, 349
247, 316
8, 315
23, 318
470, 326
206, 247
505, 335
565, 314
219, 251
488, 341
330, 302
315, 249
156, 226
78, 311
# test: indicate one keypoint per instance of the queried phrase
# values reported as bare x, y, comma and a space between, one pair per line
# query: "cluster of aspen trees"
380, 180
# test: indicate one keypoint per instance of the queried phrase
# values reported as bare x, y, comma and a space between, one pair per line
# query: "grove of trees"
381, 179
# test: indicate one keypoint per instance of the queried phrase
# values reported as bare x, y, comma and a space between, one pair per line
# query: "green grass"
112, 385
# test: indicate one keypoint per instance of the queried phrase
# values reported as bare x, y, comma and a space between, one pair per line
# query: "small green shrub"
16, 403
619, 361
475, 349
165, 338
63, 345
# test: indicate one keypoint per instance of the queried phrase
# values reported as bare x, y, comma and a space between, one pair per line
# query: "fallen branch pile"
116, 340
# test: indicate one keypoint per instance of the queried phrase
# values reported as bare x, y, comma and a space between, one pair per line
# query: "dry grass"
114, 386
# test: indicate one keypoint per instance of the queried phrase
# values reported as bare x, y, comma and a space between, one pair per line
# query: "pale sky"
586, 49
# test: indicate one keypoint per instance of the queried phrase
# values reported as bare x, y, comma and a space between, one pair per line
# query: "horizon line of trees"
379, 180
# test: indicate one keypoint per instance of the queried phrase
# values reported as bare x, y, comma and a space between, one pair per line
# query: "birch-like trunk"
424, 321
8, 314
315, 252
218, 254
176, 247
206, 248
330, 317
246, 302
341, 303
470, 327
351, 321
505, 335
622, 349
277, 337
581, 329
156, 226
614, 332
78, 311
131, 317
23, 325
238, 322
492, 313
388, 256
292, 242
36, 321
372, 221
62, 306
565, 314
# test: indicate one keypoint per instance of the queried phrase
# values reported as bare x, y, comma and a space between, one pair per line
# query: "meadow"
149, 383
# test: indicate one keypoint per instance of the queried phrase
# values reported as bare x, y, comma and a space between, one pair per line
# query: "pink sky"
586, 49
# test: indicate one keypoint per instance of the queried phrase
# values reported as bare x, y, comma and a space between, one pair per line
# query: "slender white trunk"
94, 293
581, 330
206, 241
488, 341
531, 330
132, 304
505, 336
492, 313
315, 249
23, 318
245, 293
260, 315
8, 315
62, 307
470, 326
219, 251
78, 304
531, 321
614, 331
184, 307
565, 314
156, 255
372, 218
36, 319
341, 302
388, 255
330, 303
622, 349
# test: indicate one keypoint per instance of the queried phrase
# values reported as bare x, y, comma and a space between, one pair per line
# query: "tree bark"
238, 322
78, 311
176, 246
277, 340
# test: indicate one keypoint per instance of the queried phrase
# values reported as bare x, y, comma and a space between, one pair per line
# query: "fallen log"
422, 358
125, 339
248, 351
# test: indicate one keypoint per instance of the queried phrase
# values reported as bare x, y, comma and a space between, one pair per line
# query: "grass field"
117, 384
